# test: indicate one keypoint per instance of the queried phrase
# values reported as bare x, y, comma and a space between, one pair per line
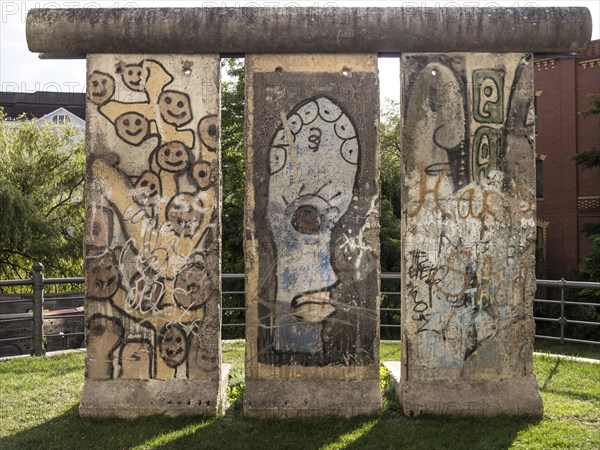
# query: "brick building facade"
568, 196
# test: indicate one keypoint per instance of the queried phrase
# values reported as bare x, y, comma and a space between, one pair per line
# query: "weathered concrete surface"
467, 398
311, 234
77, 31
468, 234
152, 242
128, 399
269, 398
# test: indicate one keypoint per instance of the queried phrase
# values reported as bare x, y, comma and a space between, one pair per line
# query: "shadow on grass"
550, 375
71, 431
389, 430
436, 432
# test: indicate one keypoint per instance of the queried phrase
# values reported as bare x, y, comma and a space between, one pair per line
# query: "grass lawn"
39, 399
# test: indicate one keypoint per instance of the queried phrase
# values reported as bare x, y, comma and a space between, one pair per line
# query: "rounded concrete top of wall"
76, 32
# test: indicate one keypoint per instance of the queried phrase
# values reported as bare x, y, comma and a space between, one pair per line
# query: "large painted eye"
277, 158
306, 220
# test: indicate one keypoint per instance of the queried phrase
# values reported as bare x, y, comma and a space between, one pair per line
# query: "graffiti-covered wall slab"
312, 238
152, 243
468, 234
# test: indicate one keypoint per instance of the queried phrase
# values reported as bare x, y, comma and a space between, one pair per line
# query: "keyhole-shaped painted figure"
310, 188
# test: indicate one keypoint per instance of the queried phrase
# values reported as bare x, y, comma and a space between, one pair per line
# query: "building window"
539, 184
535, 110
60, 118
540, 249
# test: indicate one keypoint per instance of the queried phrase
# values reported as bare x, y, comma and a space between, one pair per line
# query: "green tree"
234, 170
390, 173
590, 159
41, 195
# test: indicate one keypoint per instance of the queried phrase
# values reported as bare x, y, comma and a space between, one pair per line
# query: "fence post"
562, 320
38, 309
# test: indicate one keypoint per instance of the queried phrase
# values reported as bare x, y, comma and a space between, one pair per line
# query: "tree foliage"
41, 195
390, 172
590, 159
234, 171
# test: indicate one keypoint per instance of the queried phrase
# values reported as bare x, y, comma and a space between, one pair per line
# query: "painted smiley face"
102, 276
147, 189
202, 174
100, 87
173, 157
175, 108
173, 345
208, 129
134, 76
132, 127
192, 287
185, 213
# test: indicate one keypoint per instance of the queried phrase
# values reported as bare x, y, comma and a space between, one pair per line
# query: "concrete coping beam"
75, 32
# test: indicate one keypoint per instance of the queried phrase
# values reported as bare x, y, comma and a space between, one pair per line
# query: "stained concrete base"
302, 398
128, 399
467, 397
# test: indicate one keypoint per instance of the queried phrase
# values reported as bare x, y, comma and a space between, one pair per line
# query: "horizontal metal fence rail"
38, 282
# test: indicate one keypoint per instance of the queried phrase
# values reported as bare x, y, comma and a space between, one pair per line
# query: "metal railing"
562, 320
38, 284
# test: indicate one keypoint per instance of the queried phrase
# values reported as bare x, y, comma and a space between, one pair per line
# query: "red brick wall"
561, 133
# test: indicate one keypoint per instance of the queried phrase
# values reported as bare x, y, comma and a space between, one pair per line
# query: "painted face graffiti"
192, 287
175, 108
147, 189
185, 212
173, 345
134, 76
208, 129
310, 188
103, 276
136, 359
202, 174
157, 201
132, 127
173, 157
100, 87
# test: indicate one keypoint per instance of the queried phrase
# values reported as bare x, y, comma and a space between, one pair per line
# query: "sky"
23, 71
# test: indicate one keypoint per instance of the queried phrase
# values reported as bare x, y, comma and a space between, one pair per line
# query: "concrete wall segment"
311, 233
75, 32
152, 243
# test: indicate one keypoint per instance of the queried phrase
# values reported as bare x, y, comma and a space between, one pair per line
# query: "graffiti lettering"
424, 190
